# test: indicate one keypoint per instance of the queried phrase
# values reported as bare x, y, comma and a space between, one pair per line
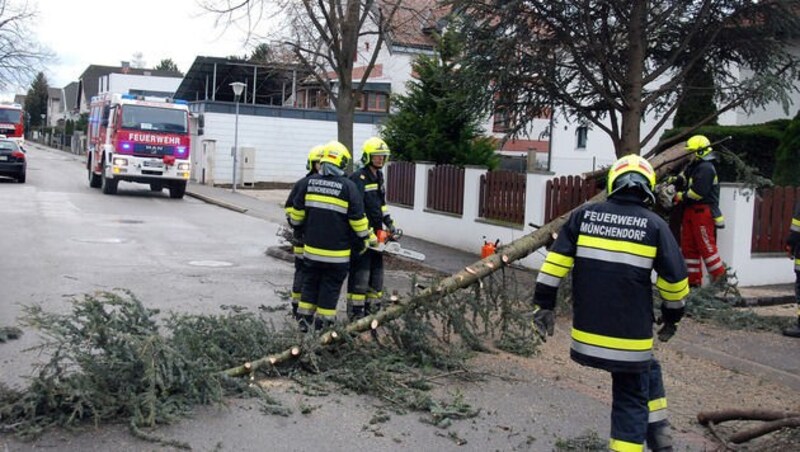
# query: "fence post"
472, 187
535, 187
421, 185
733, 242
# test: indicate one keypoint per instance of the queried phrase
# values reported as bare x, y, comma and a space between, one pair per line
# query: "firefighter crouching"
612, 248
365, 281
699, 195
328, 210
793, 249
312, 165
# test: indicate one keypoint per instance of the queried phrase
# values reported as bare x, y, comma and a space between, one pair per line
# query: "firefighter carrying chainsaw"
328, 210
612, 247
697, 193
365, 281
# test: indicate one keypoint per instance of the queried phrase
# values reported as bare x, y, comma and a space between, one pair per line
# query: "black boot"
793, 331
357, 312
322, 323
304, 322
659, 437
294, 310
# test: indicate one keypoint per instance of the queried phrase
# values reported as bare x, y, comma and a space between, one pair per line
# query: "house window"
501, 120
376, 102
581, 134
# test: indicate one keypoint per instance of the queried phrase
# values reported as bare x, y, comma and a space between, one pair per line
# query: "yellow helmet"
632, 171
374, 146
336, 154
314, 156
700, 145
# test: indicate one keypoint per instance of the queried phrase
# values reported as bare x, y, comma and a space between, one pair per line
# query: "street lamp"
237, 91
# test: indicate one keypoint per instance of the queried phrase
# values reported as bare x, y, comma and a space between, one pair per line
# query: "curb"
766, 301
216, 202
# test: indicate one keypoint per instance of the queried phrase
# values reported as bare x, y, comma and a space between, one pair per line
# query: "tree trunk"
632, 91
505, 255
735, 414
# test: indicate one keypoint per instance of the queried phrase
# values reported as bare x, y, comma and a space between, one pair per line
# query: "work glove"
670, 319
372, 240
789, 252
544, 322
678, 198
679, 181
392, 228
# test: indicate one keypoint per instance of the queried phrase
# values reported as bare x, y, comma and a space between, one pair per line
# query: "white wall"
123, 83
734, 242
281, 144
467, 232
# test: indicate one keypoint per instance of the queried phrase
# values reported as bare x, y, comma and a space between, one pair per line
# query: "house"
124, 79
55, 107
272, 128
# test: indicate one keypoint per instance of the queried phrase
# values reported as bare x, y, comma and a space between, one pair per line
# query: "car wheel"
94, 179
177, 189
21, 177
109, 186
156, 187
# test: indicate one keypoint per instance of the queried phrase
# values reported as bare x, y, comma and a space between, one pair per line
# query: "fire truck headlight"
120, 162
183, 167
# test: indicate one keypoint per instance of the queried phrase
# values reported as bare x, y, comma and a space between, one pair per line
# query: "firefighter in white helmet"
365, 282
312, 166
612, 247
329, 210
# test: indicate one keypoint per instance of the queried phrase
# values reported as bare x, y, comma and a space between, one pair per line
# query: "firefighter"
611, 248
793, 249
312, 166
365, 282
329, 210
701, 214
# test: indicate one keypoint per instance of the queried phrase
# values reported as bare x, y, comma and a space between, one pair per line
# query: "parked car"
13, 162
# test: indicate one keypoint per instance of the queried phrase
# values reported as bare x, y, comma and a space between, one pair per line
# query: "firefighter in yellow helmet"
312, 166
793, 249
699, 196
365, 282
612, 247
328, 210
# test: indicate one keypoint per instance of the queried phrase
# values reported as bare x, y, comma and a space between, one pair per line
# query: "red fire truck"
138, 139
11, 122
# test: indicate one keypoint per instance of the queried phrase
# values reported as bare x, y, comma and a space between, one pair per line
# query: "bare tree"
612, 63
21, 56
324, 36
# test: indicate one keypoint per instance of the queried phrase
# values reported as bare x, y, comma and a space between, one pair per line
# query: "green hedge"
755, 144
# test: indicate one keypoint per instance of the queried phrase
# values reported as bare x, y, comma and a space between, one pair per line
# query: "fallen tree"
663, 163
773, 421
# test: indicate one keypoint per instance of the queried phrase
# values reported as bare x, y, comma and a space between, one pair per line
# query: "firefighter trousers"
322, 282
297, 281
699, 244
365, 282
639, 410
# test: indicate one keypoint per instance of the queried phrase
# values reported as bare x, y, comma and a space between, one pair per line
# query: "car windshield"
8, 145
154, 119
11, 116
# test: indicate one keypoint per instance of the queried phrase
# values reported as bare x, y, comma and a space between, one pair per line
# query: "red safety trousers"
699, 241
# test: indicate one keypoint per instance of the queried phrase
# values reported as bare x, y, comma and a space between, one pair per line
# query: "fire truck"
138, 139
12, 124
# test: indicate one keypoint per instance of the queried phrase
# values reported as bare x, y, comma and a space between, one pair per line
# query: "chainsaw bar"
397, 250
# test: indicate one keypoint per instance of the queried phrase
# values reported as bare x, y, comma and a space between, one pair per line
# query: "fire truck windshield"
154, 119
10, 116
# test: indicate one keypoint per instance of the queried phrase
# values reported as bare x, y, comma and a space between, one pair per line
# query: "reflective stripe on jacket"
374, 189
612, 249
331, 212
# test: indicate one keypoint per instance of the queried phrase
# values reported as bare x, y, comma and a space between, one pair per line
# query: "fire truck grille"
152, 150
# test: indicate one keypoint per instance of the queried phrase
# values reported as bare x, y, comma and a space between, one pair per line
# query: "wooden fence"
446, 189
400, 179
564, 193
772, 217
502, 196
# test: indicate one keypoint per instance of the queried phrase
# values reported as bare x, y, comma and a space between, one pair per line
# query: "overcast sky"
106, 32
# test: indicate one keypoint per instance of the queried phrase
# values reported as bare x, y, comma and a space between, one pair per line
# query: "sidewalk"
268, 205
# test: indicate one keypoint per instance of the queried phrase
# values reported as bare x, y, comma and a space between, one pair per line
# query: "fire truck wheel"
109, 186
156, 187
177, 189
94, 179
